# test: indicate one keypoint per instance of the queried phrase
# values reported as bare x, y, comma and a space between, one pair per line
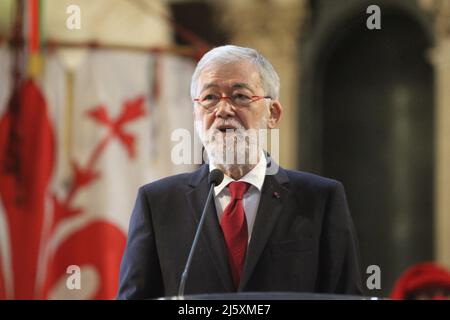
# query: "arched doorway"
373, 109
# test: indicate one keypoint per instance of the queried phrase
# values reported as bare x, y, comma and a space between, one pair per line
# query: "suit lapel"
273, 197
211, 234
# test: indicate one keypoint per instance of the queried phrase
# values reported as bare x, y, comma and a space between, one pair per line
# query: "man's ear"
275, 111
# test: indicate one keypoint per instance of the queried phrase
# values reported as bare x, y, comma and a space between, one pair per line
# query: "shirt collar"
255, 177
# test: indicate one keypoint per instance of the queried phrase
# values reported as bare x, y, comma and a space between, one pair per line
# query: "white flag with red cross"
85, 155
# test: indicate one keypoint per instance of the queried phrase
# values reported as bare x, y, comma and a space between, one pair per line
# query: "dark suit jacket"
303, 239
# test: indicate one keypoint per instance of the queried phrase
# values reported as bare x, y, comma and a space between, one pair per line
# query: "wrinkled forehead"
229, 76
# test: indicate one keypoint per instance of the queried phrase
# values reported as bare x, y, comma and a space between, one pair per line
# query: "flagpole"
187, 51
35, 59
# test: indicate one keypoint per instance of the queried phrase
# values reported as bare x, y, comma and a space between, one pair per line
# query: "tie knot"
238, 189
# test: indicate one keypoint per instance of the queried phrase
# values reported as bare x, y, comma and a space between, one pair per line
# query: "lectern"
270, 296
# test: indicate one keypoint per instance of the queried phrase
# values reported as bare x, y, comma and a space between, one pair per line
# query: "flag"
26, 163
172, 112
108, 161
103, 131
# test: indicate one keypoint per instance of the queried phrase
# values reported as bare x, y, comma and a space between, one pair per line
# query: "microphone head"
215, 177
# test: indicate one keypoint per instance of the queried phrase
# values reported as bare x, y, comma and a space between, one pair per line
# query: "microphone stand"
185, 273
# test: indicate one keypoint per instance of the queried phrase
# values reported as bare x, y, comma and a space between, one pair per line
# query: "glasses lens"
209, 100
241, 100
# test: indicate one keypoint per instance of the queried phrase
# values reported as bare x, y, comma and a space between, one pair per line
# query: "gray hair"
229, 54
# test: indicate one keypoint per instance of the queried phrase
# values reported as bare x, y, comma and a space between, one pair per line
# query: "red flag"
97, 250
26, 162
75, 212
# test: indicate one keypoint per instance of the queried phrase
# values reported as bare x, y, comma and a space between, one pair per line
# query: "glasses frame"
214, 107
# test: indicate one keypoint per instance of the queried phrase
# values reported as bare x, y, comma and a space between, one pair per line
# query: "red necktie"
234, 227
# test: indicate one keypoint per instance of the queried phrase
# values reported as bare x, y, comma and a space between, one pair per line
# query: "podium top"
270, 296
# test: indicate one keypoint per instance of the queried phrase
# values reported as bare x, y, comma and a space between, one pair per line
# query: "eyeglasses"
210, 101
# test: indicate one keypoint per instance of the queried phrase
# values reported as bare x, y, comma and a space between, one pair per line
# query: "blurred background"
91, 91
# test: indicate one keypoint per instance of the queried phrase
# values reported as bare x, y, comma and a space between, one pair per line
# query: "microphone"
215, 178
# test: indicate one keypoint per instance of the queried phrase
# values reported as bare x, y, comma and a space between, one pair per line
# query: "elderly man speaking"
287, 231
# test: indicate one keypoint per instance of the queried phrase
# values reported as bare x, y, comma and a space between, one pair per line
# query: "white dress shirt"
255, 178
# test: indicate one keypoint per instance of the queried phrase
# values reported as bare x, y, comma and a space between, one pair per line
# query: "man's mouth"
225, 129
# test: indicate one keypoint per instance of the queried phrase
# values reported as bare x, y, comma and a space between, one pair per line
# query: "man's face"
228, 120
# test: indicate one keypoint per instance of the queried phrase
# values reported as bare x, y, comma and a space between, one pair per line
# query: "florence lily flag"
84, 142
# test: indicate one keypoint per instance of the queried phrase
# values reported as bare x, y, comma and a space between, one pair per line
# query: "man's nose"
224, 108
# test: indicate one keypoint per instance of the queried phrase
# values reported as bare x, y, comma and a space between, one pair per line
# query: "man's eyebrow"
241, 85
238, 85
209, 85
